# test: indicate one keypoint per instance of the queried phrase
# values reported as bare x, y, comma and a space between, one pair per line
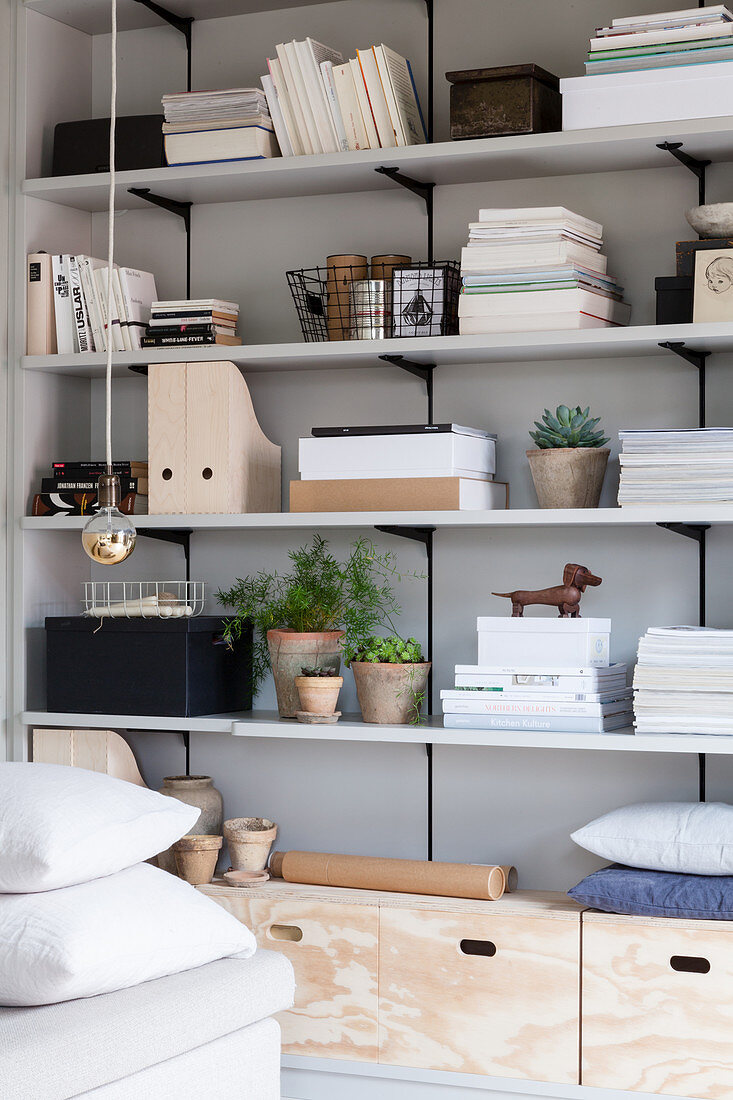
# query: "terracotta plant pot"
194, 790
290, 652
386, 691
568, 477
319, 694
249, 840
196, 858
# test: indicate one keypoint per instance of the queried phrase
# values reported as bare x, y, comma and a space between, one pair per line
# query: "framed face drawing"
713, 286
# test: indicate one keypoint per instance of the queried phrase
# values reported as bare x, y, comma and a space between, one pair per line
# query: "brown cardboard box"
397, 494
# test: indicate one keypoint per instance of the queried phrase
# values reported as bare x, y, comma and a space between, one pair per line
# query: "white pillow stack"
80, 912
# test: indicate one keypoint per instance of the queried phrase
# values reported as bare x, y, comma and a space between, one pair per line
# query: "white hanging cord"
111, 234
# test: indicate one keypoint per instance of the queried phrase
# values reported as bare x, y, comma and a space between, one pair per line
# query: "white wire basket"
143, 599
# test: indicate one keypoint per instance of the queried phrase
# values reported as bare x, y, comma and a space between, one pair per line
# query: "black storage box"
674, 299
83, 147
175, 667
510, 99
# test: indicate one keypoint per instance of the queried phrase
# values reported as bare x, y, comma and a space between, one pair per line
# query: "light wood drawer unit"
482, 987
658, 1005
332, 944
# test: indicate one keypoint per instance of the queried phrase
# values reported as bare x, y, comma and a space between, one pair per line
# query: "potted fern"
391, 678
304, 618
570, 462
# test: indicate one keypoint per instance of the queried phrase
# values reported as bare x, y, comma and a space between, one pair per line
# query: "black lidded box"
175, 667
674, 299
510, 99
80, 148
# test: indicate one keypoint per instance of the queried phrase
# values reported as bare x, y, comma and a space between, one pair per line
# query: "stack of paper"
693, 465
231, 124
684, 681
693, 36
536, 269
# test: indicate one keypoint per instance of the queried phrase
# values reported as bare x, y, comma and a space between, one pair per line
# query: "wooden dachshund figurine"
565, 597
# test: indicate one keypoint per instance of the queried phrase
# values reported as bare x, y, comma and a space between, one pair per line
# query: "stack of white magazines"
530, 697
693, 465
230, 124
684, 681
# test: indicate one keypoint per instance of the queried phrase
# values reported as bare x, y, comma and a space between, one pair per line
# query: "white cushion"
60, 826
138, 924
694, 838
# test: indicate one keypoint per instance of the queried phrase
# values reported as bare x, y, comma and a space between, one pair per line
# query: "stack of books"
405, 467
536, 270
654, 68
67, 305
204, 127
71, 490
321, 103
511, 688
192, 323
680, 466
684, 681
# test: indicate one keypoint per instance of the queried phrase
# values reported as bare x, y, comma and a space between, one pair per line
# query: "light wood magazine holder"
206, 450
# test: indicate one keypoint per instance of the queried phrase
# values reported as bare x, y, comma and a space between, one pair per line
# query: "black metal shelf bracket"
173, 206
425, 536
423, 190
695, 165
181, 23
177, 538
423, 371
696, 359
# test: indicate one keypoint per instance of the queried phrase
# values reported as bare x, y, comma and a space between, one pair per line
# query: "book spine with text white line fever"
62, 307
534, 724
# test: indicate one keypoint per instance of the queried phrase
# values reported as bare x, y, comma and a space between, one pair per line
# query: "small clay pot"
194, 790
319, 694
387, 691
196, 858
568, 477
249, 840
290, 652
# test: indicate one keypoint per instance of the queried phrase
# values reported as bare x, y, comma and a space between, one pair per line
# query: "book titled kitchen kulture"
71, 490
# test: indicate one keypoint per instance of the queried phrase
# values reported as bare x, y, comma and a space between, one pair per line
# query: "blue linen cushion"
619, 889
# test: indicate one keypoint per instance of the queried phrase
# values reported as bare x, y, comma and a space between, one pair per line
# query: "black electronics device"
80, 148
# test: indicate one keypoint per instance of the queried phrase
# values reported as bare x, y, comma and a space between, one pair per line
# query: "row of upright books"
537, 269
71, 489
540, 675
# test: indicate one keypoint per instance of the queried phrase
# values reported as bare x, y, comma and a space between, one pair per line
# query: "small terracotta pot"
249, 840
196, 858
386, 691
568, 477
319, 694
194, 790
290, 652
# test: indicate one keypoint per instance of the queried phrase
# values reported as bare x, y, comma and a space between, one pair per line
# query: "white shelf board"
637, 516
529, 156
93, 16
510, 347
350, 729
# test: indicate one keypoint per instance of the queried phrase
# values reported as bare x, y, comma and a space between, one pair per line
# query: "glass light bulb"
109, 537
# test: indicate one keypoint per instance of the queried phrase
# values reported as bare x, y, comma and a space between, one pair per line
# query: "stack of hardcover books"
322, 104
535, 270
684, 681
204, 127
192, 323
71, 490
540, 676
403, 467
654, 67
677, 466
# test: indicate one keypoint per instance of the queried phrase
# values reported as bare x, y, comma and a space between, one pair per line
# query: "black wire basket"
341, 302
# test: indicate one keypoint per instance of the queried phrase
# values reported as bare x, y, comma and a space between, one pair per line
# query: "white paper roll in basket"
143, 599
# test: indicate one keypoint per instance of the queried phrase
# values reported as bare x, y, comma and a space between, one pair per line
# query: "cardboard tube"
342, 270
403, 876
511, 879
383, 266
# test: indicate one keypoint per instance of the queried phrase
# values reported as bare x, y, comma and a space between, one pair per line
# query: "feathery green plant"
568, 428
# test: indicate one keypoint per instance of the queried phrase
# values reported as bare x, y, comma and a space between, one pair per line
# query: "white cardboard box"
648, 95
543, 642
453, 454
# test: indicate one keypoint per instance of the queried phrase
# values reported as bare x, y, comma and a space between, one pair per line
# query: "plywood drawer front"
513, 1013
335, 963
649, 1027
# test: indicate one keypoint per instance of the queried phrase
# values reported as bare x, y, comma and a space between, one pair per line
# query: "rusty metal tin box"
511, 99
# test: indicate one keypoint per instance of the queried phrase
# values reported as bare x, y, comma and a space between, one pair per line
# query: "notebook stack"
204, 127
407, 467
683, 466
322, 103
540, 675
192, 323
653, 68
684, 681
539, 269
71, 490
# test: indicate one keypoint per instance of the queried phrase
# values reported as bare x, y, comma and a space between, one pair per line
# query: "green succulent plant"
568, 428
392, 651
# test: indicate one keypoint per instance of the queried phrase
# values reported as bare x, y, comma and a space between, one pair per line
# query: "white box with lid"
504, 643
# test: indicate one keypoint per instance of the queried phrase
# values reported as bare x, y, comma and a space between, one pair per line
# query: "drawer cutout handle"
478, 947
289, 932
689, 964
